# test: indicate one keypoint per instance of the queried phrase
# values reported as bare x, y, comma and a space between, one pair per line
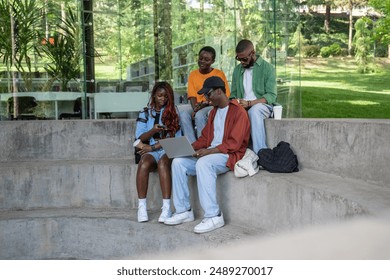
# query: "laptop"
177, 147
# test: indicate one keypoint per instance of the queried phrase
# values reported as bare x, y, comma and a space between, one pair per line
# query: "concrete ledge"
65, 140
54, 166
349, 148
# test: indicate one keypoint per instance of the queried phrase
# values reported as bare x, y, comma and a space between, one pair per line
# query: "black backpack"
280, 159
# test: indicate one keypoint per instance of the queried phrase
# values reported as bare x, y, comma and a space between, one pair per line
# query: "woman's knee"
164, 163
147, 163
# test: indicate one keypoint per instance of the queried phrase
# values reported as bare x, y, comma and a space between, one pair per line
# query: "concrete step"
86, 233
269, 200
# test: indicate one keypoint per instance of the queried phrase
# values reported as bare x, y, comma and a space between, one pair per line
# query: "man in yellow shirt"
200, 107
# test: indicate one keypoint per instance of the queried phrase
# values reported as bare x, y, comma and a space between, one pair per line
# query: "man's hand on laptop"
204, 152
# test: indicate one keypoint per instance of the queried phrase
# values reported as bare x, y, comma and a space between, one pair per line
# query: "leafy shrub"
332, 50
324, 40
381, 50
335, 49
311, 51
291, 52
325, 52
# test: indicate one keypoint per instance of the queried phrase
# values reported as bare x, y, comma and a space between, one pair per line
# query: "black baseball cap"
212, 83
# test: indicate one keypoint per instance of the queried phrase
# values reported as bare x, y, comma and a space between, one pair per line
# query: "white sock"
142, 201
167, 202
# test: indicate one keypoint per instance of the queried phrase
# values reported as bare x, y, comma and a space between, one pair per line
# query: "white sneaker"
176, 219
165, 214
209, 224
142, 213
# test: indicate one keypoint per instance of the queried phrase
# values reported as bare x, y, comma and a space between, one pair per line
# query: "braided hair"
169, 117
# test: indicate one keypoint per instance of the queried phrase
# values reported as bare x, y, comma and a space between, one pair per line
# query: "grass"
332, 88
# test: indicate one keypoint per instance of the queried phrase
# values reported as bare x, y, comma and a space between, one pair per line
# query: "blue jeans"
206, 169
257, 113
186, 121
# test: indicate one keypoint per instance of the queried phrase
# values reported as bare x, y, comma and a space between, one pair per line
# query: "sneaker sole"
211, 229
162, 220
175, 223
143, 220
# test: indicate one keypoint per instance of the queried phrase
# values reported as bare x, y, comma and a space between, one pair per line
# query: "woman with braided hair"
158, 121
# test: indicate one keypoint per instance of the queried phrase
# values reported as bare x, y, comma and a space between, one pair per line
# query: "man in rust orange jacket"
223, 142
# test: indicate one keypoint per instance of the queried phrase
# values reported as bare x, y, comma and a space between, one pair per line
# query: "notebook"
177, 147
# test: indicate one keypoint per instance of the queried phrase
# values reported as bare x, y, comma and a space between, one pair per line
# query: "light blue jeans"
257, 113
206, 169
186, 121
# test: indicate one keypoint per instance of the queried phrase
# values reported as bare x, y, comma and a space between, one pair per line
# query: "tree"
363, 43
350, 5
328, 5
382, 26
297, 41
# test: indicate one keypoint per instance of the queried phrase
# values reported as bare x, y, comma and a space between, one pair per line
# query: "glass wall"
95, 59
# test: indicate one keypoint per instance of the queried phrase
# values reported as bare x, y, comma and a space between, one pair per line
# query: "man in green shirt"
254, 85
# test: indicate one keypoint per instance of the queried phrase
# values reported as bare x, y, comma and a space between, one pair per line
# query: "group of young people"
220, 121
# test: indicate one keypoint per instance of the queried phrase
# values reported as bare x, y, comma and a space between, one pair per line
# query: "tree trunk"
14, 74
47, 28
350, 8
327, 19
243, 29
156, 41
163, 40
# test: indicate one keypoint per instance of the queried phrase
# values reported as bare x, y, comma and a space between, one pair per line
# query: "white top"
247, 81
219, 126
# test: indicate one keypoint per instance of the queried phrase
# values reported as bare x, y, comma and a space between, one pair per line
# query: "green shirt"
263, 83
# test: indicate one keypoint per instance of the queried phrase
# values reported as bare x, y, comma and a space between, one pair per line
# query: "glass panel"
129, 44
286, 25
41, 60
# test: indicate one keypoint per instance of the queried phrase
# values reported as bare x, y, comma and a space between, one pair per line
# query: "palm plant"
63, 50
19, 26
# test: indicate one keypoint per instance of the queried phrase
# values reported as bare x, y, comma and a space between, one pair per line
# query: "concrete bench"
52, 167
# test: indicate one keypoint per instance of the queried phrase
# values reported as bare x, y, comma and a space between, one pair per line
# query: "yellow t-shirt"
196, 80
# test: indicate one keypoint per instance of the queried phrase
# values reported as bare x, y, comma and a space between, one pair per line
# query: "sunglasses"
244, 59
209, 93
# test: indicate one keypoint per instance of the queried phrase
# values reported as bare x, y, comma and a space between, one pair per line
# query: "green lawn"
332, 88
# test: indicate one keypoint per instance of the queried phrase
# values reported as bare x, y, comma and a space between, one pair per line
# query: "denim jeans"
186, 121
206, 169
257, 113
